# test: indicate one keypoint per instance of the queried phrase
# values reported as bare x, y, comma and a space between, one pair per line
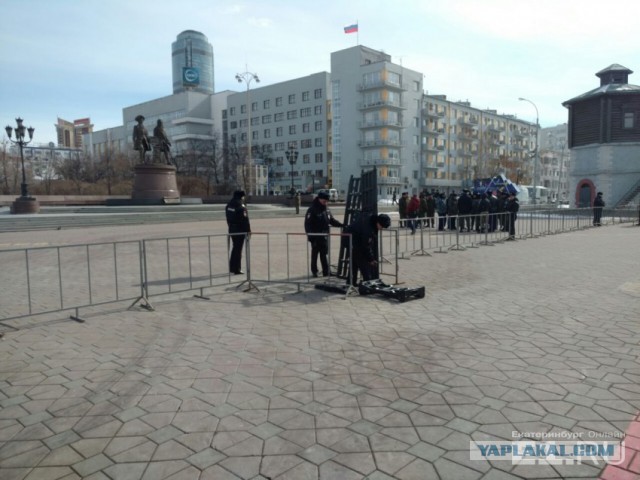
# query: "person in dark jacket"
512, 208
441, 207
431, 210
598, 205
364, 240
465, 206
403, 203
318, 221
452, 210
239, 229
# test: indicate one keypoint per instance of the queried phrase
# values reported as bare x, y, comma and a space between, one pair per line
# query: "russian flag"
351, 28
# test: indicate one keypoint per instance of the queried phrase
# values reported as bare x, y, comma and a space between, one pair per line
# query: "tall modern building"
192, 62
70, 133
376, 108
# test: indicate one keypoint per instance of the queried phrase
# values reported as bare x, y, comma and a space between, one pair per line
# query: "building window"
266, 119
292, 99
243, 123
278, 147
306, 128
305, 96
266, 104
305, 143
233, 125
292, 129
255, 121
306, 158
318, 125
254, 135
292, 114
318, 158
254, 106
305, 112
318, 142
628, 121
267, 133
278, 101
318, 110
243, 137
243, 109
279, 132
317, 93
278, 117
232, 111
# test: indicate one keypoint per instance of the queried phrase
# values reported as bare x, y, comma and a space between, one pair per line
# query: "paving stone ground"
537, 335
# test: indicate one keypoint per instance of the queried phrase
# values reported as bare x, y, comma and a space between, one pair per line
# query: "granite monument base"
25, 205
155, 184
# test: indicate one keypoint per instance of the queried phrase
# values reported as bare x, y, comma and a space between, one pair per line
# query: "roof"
609, 89
614, 67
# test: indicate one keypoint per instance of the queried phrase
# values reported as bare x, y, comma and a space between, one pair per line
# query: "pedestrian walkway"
536, 336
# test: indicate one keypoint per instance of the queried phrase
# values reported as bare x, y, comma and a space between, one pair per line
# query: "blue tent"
499, 182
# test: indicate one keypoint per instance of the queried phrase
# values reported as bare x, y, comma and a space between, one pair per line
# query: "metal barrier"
47, 280
52, 279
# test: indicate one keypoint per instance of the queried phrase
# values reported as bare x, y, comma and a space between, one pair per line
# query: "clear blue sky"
81, 58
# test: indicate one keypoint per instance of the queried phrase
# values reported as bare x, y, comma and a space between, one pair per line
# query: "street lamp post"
535, 152
292, 158
248, 77
25, 203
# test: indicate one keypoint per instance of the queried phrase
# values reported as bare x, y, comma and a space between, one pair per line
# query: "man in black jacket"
239, 229
512, 206
364, 240
317, 222
598, 205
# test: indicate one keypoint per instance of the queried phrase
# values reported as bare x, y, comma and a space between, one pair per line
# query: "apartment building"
289, 126
461, 143
376, 109
70, 133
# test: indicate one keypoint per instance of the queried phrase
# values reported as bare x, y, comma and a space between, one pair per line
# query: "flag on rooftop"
351, 28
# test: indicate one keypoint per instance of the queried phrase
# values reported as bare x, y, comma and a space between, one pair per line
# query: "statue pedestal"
155, 182
25, 205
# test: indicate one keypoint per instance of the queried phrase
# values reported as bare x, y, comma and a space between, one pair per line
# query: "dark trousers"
597, 216
361, 264
235, 261
511, 220
319, 248
442, 221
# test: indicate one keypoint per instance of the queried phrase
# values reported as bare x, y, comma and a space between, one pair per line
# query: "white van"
332, 192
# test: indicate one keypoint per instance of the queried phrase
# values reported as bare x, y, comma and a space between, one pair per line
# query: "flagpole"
357, 33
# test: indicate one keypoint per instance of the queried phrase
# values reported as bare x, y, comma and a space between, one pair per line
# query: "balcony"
434, 148
468, 120
381, 142
465, 153
376, 85
432, 166
433, 113
439, 182
388, 180
373, 162
495, 128
401, 105
379, 123
432, 131
468, 135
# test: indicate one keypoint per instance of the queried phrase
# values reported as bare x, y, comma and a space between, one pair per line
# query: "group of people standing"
485, 212
317, 225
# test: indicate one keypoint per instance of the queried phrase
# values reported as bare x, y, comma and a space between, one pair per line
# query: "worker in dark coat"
364, 240
317, 223
512, 206
239, 229
598, 205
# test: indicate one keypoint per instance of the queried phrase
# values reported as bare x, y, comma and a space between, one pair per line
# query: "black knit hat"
238, 194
